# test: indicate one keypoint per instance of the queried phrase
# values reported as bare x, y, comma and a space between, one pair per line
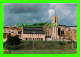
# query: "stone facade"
34, 33
36, 37
10, 31
55, 29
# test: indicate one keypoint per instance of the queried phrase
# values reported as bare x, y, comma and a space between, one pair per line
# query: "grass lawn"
41, 52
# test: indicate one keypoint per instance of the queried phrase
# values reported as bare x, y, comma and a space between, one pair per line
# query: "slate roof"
33, 30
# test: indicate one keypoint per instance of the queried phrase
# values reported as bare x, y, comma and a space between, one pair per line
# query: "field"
42, 47
40, 52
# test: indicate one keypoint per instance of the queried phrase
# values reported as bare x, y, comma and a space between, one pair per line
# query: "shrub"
14, 47
62, 43
46, 45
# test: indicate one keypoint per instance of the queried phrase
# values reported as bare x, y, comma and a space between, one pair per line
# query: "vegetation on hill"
36, 25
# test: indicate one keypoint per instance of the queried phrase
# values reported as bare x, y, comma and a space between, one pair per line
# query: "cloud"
51, 12
39, 12
66, 13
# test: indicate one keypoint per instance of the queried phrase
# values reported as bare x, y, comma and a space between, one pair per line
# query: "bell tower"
55, 29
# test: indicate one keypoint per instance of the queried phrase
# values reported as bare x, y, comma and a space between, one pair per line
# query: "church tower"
55, 29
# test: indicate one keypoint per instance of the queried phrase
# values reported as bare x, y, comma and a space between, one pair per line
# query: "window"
26, 38
33, 38
19, 32
55, 20
41, 39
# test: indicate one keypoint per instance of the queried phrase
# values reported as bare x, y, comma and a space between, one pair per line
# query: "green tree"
13, 43
13, 40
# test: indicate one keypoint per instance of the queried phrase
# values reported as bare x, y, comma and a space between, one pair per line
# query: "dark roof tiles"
33, 30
